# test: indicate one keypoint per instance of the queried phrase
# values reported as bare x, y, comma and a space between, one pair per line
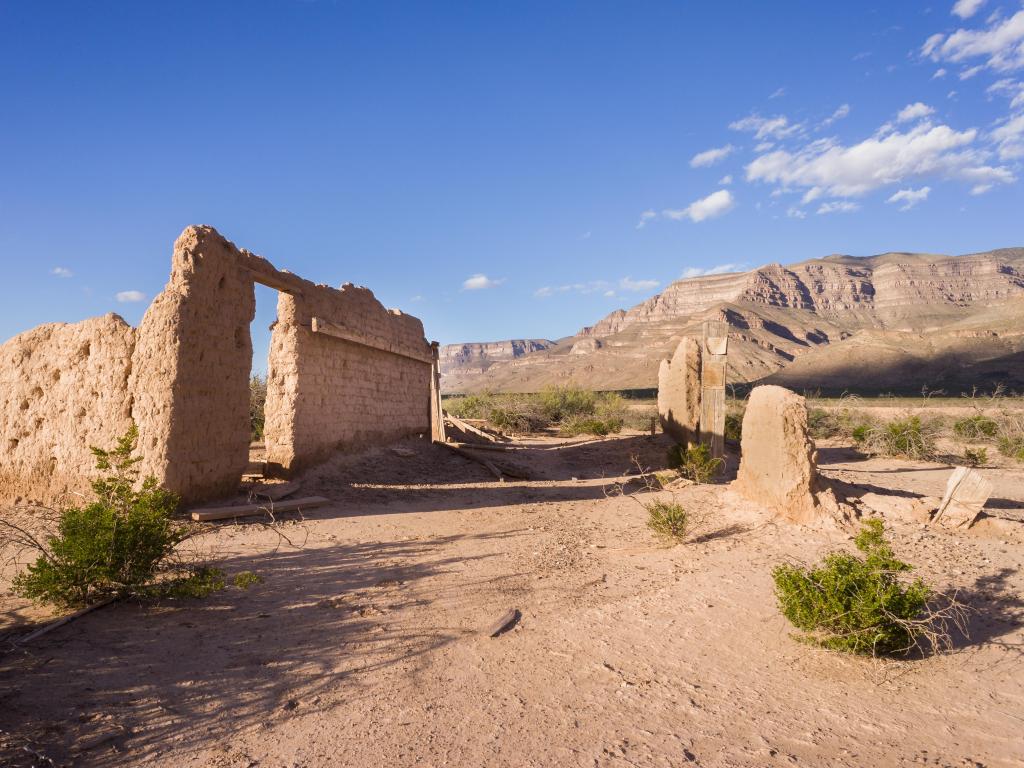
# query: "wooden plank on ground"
246, 510
478, 459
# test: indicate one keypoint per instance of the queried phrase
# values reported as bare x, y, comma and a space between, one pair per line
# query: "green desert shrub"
584, 425
257, 405
909, 438
694, 462
976, 427
117, 544
246, 579
856, 604
667, 519
734, 427
470, 406
561, 403
975, 457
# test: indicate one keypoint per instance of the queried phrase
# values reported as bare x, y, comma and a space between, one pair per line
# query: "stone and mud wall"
183, 378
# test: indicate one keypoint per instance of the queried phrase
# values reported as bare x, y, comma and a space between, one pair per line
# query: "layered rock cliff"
783, 314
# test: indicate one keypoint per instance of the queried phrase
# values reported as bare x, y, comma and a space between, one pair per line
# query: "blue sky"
501, 170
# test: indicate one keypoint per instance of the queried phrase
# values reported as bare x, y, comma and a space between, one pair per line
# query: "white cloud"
629, 284
777, 127
721, 269
479, 282
1001, 44
970, 72
726, 180
842, 111
980, 189
914, 111
609, 294
888, 158
62, 272
860, 56
711, 156
764, 146
940, 72
909, 197
777, 93
715, 204
130, 297
1011, 89
645, 217
966, 8
795, 213
1009, 138
417, 298
839, 206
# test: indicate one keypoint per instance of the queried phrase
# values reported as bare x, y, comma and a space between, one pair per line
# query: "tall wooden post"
715, 343
436, 413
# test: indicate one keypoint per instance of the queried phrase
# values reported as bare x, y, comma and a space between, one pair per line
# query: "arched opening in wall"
261, 329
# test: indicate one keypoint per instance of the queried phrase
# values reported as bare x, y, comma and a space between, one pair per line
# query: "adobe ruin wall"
362, 377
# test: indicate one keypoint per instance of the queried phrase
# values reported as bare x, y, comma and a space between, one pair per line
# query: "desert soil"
367, 644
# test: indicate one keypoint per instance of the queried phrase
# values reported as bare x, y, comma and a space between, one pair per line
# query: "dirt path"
366, 646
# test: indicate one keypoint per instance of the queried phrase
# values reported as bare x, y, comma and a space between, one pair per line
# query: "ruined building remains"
343, 372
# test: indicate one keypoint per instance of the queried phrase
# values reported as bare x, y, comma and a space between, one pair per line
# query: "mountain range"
892, 322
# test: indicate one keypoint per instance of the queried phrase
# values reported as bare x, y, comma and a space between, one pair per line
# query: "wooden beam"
247, 510
337, 331
276, 281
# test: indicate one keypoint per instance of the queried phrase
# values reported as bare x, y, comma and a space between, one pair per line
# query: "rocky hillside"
896, 321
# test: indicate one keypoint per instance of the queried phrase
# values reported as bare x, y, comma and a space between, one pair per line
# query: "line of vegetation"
257, 406
570, 410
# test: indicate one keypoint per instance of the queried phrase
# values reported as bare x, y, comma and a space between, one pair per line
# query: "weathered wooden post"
436, 413
715, 347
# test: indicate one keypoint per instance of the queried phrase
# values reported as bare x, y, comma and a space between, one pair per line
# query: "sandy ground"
366, 645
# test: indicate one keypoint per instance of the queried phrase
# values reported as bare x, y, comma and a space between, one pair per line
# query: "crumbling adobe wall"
62, 390
190, 370
183, 377
679, 392
325, 393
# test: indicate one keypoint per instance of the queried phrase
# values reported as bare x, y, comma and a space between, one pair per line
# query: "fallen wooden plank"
65, 620
466, 450
467, 427
478, 459
505, 623
245, 510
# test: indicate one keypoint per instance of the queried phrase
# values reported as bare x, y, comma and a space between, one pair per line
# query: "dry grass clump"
909, 438
861, 604
1010, 435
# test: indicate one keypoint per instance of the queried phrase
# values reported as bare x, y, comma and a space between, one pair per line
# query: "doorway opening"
260, 331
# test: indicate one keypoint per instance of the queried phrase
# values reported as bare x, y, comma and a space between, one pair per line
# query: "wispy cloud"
645, 217
714, 205
777, 127
61, 272
479, 282
726, 180
721, 269
130, 297
838, 206
603, 287
939, 73
711, 156
909, 197
841, 111
634, 286
1012, 89
778, 93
